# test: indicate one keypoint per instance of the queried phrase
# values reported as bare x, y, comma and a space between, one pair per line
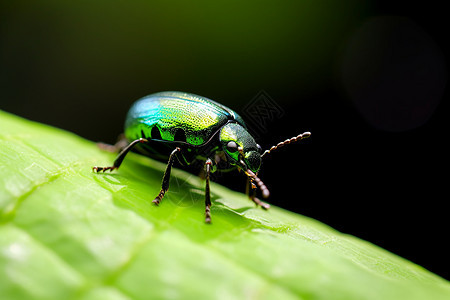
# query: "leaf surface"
68, 233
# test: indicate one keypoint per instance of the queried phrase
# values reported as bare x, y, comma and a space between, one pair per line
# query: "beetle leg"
251, 191
166, 177
118, 161
208, 164
121, 144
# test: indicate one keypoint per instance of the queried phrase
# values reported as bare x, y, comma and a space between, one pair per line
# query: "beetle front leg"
118, 161
208, 164
251, 191
166, 177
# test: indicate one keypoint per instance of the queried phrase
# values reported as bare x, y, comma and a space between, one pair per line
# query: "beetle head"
240, 147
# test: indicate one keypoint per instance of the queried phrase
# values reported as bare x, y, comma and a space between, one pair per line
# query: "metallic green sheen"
238, 134
198, 117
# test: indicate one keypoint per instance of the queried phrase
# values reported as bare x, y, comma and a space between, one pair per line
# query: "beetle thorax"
240, 147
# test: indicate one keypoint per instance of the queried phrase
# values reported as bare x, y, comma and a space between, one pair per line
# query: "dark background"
367, 78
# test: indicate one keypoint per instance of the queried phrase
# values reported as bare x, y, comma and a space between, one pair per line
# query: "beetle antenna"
297, 138
252, 176
264, 190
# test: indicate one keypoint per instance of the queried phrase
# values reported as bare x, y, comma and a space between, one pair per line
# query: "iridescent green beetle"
192, 128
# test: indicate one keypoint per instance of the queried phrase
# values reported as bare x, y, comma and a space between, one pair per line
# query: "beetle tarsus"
158, 198
103, 169
208, 214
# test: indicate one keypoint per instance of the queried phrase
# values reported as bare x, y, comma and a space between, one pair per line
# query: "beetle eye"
259, 148
232, 146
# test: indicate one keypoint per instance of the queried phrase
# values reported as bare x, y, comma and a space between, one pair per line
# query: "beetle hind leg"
166, 177
118, 161
121, 144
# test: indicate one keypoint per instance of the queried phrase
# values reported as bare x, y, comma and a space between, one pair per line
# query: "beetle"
192, 128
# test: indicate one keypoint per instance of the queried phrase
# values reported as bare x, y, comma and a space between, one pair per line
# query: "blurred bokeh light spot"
394, 73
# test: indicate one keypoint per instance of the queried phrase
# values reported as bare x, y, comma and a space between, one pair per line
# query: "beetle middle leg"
166, 177
251, 192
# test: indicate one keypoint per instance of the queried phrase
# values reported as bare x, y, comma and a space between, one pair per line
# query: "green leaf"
68, 233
